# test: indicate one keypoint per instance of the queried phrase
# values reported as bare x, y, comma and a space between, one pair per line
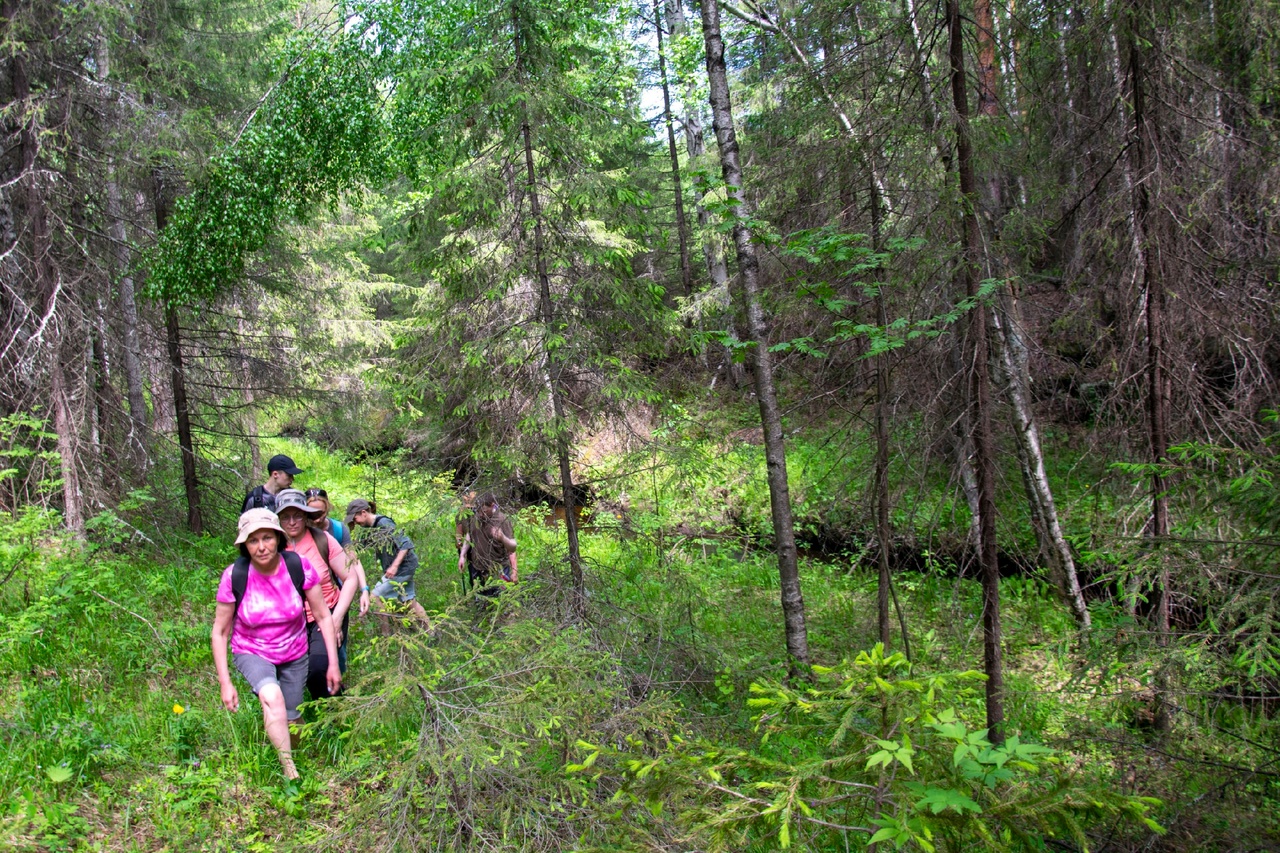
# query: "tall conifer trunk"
682, 225
1011, 357
546, 312
47, 282
122, 256
1148, 270
881, 491
177, 374
979, 385
749, 292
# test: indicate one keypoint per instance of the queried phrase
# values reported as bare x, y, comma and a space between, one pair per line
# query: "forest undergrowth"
661, 721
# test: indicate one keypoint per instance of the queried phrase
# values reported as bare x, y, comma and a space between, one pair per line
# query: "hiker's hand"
390, 573
364, 602
230, 698
337, 635
333, 677
496, 533
462, 564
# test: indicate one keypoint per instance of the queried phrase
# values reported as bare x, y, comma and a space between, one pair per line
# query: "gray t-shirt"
387, 542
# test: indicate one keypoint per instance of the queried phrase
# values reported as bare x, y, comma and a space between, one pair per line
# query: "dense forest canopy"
883, 394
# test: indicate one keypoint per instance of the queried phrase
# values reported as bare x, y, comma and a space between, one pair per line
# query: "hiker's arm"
362, 584
341, 568
395, 564
332, 676
223, 616
508, 541
504, 533
466, 549
345, 596
515, 574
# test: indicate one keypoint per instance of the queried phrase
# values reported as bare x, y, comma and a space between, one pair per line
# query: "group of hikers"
285, 603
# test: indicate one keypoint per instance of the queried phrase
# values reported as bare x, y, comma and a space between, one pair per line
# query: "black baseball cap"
280, 462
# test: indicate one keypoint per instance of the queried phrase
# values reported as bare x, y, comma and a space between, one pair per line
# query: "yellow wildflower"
178, 709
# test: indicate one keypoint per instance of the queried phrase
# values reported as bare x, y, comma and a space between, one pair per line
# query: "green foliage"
869, 744
316, 136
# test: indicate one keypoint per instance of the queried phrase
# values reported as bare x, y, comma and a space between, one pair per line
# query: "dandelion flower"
178, 709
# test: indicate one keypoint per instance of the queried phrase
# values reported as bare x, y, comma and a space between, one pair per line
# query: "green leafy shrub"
872, 752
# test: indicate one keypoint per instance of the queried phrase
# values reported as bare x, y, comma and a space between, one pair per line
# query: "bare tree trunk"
181, 409
132, 359
770, 417
256, 474
121, 255
162, 391
962, 447
682, 225
1011, 357
546, 309
48, 284
1149, 272
979, 386
712, 247
883, 533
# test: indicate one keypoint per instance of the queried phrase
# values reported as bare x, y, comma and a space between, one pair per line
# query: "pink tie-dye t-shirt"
270, 623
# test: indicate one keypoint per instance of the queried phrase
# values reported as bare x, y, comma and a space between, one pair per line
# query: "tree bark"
881, 491
770, 416
979, 385
256, 474
1011, 357
181, 409
1148, 271
122, 256
132, 351
682, 225
48, 285
554, 362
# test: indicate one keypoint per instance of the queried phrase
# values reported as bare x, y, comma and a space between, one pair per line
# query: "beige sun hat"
253, 520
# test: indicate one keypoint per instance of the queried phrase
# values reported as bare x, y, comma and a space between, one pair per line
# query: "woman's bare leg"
275, 720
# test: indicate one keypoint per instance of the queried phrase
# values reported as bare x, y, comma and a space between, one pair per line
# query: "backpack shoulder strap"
240, 577
239, 581
321, 538
293, 562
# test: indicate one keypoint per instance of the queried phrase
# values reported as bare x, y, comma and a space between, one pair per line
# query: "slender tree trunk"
682, 225
1148, 271
55, 316
121, 256
770, 416
1011, 356
555, 365
256, 474
883, 532
181, 409
132, 351
979, 385
712, 247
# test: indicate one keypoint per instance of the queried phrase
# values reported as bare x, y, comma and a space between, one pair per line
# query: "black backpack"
258, 498
240, 577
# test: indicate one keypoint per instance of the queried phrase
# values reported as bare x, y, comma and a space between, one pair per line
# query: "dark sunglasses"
317, 493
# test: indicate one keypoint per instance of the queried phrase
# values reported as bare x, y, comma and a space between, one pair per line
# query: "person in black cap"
280, 474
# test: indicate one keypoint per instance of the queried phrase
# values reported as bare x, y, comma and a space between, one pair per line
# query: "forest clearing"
528, 425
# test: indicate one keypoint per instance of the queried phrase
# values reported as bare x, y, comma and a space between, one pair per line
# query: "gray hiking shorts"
291, 678
395, 589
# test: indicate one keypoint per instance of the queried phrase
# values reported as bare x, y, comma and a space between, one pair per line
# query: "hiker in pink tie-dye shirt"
268, 630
